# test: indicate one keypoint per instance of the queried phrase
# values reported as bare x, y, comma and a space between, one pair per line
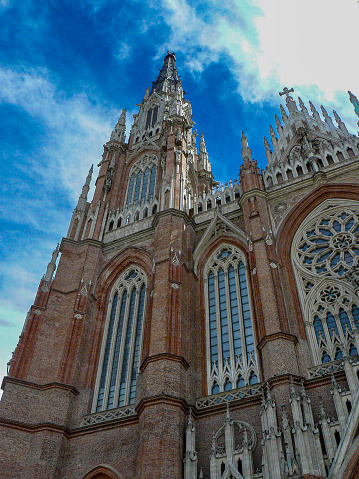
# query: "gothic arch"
106, 281
102, 471
122, 341
110, 273
290, 226
229, 333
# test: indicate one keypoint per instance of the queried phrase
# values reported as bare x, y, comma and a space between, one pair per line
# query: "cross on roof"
286, 92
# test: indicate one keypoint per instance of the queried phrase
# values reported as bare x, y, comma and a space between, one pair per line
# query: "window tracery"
142, 181
231, 359
325, 256
121, 349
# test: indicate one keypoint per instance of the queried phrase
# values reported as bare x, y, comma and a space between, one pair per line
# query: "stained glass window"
120, 357
325, 254
231, 350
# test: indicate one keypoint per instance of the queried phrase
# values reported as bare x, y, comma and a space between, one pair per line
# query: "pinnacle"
168, 79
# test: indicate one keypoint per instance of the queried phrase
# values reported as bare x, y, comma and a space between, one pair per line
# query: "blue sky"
68, 68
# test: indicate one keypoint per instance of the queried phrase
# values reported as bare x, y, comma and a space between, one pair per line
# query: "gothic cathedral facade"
195, 329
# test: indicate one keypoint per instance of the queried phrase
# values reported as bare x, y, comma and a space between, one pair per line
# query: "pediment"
219, 226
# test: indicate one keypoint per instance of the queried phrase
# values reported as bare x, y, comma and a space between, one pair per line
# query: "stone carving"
250, 242
175, 260
353, 276
280, 207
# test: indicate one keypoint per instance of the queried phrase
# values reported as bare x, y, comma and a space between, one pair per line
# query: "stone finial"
228, 415
85, 189
245, 438
313, 109
200, 474
337, 117
324, 112
355, 102
292, 388
50, 270
302, 105
272, 135
190, 418
213, 448
246, 151
119, 133
203, 162
244, 140
147, 94
283, 113
266, 144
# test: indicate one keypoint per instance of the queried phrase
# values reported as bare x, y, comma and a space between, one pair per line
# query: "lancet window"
121, 348
231, 357
142, 181
325, 257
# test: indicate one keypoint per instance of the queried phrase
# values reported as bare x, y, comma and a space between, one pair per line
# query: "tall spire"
52, 265
168, 78
246, 151
85, 189
203, 162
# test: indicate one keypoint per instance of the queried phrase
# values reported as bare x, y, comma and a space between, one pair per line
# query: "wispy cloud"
266, 45
4, 323
76, 126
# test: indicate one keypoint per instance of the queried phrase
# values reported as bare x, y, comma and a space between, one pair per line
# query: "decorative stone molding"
107, 416
229, 396
331, 368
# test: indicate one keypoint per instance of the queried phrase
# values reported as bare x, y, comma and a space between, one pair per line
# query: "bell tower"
113, 333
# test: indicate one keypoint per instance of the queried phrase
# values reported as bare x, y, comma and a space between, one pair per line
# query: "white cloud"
122, 51
76, 127
268, 44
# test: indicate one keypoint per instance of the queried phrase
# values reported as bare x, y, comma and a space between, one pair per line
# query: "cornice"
84, 242
39, 387
162, 399
164, 356
275, 336
33, 428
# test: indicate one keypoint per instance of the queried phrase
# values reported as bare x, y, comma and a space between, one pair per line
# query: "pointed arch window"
121, 348
142, 181
325, 257
231, 358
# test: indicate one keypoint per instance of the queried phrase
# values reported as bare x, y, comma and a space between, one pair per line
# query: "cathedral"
195, 329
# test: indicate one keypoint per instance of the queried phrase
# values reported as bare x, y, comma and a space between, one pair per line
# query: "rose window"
331, 245
325, 259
